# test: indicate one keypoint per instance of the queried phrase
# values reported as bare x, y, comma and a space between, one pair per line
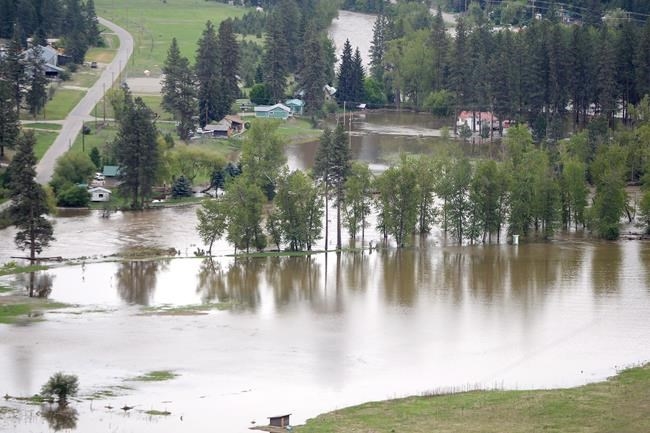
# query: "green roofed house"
111, 171
277, 111
296, 106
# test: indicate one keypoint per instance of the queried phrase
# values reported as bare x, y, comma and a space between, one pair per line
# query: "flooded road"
310, 334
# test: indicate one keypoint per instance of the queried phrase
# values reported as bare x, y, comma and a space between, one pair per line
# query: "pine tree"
276, 67
13, 70
74, 32
377, 49
358, 78
312, 76
29, 203
228, 56
9, 124
93, 35
345, 91
606, 84
440, 42
643, 62
37, 85
207, 62
179, 91
136, 150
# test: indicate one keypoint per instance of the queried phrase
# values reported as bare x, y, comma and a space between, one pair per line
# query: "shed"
279, 421
296, 106
277, 111
220, 129
111, 171
99, 194
236, 123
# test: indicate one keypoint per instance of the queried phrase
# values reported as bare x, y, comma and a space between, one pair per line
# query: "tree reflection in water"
239, 283
136, 280
60, 417
293, 278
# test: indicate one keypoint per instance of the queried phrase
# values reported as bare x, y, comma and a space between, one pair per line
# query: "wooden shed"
279, 421
99, 194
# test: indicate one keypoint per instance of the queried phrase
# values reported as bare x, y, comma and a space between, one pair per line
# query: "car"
93, 65
99, 176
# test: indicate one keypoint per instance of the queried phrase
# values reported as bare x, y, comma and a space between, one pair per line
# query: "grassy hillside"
619, 405
153, 24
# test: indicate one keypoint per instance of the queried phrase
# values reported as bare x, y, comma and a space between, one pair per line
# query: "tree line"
545, 74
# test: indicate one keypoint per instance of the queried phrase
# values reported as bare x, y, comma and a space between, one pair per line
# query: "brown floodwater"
305, 335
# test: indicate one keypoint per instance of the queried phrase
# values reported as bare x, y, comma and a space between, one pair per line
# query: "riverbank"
619, 404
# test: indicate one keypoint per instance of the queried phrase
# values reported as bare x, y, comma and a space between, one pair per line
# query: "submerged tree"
29, 202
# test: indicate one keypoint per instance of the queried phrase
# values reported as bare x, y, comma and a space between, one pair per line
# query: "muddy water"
310, 334
357, 28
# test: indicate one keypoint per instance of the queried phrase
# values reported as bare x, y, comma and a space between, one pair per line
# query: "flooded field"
258, 337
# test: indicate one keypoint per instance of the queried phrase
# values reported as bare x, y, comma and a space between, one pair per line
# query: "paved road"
72, 124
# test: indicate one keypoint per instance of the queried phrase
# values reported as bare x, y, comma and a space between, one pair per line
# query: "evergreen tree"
358, 78
643, 62
9, 124
93, 35
606, 84
377, 49
179, 91
29, 203
312, 76
207, 62
96, 158
13, 70
290, 18
228, 57
440, 43
182, 187
136, 151
345, 91
276, 67
332, 166
74, 32
36, 96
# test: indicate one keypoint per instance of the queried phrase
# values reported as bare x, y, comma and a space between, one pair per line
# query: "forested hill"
577, 7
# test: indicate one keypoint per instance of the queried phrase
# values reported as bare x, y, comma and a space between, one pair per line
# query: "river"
251, 338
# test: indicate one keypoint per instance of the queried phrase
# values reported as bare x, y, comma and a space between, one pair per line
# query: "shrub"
62, 386
73, 196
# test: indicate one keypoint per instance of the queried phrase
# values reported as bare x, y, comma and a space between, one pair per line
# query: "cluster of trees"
207, 89
542, 74
74, 21
351, 76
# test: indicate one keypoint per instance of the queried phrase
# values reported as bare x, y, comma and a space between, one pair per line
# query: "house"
329, 92
111, 171
477, 119
236, 123
277, 111
99, 194
296, 106
221, 129
50, 57
279, 421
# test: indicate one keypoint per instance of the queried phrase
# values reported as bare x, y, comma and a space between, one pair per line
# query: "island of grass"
620, 404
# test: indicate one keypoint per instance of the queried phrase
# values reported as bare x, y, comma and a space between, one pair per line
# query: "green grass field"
40, 125
153, 24
617, 405
44, 140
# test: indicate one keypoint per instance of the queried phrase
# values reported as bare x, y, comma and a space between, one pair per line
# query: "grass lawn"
154, 24
39, 125
619, 404
61, 104
298, 131
44, 140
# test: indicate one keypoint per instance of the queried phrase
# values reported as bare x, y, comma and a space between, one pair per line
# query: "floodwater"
306, 335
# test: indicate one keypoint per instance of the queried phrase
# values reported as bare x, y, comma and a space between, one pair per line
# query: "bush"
62, 386
73, 196
181, 188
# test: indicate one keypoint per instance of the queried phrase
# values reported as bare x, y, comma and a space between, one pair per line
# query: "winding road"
73, 123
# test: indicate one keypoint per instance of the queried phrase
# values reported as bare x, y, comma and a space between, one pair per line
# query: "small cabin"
277, 111
296, 106
279, 421
99, 194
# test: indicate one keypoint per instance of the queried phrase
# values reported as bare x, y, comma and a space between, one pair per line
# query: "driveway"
73, 123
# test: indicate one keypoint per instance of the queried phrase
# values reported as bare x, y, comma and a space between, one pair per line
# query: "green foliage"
62, 386
136, 150
440, 103
29, 201
260, 94
179, 91
73, 196
262, 154
300, 211
96, 158
182, 187
396, 203
72, 169
212, 218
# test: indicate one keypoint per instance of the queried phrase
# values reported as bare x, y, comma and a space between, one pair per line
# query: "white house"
476, 120
99, 194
